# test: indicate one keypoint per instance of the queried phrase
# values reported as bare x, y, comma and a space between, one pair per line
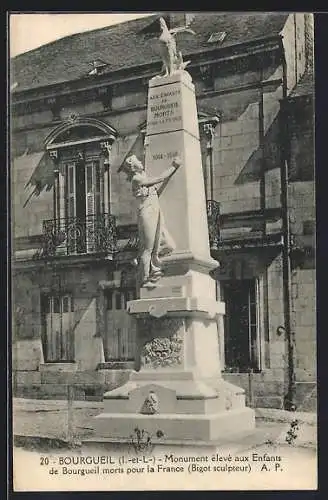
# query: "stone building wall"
303, 297
32, 377
246, 141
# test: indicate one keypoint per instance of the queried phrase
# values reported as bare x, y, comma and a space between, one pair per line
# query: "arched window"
81, 150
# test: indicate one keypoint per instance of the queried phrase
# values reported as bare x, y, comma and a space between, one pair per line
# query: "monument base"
184, 410
170, 428
178, 395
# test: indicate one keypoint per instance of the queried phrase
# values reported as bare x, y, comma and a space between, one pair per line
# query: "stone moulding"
184, 306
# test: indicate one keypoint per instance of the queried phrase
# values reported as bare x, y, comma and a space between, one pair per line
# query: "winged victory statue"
172, 59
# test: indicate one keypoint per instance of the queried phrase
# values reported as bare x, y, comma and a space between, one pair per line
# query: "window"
120, 333
57, 312
218, 36
119, 301
82, 189
83, 205
98, 66
242, 340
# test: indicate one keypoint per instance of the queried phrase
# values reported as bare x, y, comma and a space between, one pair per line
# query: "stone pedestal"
177, 393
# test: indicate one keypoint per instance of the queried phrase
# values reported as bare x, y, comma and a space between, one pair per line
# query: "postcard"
163, 258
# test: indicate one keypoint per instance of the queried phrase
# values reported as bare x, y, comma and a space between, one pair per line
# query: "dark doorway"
241, 325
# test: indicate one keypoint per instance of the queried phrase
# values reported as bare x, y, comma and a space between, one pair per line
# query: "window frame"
255, 363
112, 297
47, 302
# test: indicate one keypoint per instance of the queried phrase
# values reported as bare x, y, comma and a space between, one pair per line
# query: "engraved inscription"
164, 109
177, 291
165, 156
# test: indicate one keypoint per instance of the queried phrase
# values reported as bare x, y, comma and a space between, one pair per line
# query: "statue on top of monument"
172, 59
154, 239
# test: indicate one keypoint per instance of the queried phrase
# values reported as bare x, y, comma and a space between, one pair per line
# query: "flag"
136, 148
40, 169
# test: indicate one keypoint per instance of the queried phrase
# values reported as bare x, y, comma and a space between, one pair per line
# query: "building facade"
78, 107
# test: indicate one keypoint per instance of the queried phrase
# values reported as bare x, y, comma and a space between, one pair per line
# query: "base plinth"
178, 395
164, 428
174, 410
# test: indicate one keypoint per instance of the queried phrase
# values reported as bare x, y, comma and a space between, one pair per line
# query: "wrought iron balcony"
98, 234
92, 234
213, 220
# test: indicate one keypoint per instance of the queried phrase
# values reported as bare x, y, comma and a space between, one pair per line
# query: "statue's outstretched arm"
182, 29
165, 175
157, 180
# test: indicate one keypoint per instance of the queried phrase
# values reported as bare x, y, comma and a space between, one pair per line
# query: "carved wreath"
164, 351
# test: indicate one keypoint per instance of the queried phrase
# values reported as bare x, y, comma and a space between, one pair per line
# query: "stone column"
178, 390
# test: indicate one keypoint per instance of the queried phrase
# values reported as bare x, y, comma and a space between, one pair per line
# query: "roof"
125, 45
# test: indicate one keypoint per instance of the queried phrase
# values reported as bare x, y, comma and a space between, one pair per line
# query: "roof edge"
73, 35
209, 52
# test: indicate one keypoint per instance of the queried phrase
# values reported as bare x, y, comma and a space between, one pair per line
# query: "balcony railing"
99, 234
76, 236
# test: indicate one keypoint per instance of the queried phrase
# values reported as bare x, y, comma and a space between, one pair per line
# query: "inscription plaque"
164, 110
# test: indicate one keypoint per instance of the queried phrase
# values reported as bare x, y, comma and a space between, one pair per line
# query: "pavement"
54, 424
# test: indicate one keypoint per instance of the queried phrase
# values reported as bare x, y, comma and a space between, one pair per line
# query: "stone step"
174, 427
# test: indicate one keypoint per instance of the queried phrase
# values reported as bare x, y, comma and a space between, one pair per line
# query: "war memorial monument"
177, 394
